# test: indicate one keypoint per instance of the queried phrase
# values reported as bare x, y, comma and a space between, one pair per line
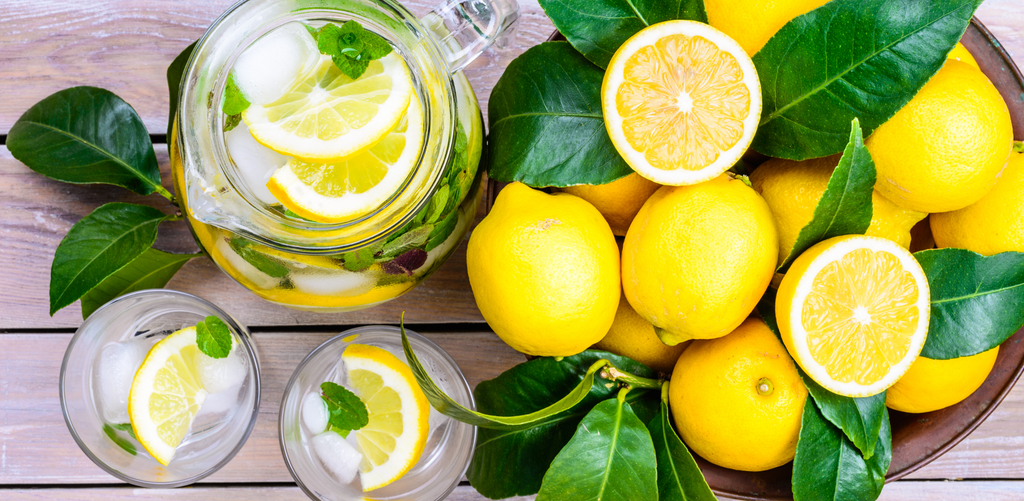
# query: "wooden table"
125, 46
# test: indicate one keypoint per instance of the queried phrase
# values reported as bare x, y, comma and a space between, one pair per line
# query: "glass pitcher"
372, 257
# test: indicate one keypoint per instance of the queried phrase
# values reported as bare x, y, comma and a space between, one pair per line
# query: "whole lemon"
698, 258
793, 189
960, 53
752, 22
738, 400
619, 200
930, 385
944, 150
632, 336
991, 225
544, 270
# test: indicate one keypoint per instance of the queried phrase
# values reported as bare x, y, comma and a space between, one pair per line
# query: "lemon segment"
393, 439
340, 190
166, 394
327, 115
853, 312
681, 102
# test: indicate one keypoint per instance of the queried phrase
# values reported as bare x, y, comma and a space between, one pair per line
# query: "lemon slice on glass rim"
342, 189
393, 439
853, 312
327, 115
166, 394
681, 102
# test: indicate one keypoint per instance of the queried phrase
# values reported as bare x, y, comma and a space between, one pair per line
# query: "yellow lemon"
753, 22
793, 189
991, 225
544, 270
681, 102
944, 150
697, 259
619, 200
632, 336
931, 385
738, 400
960, 53
853, 312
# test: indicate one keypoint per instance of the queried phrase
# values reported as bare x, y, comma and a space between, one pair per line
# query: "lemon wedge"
326, 115
393, 439
681, 102
853, 312
340, 190
166, 394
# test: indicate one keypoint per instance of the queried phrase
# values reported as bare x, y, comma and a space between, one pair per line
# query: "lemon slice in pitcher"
393, 439
327, 115
681, 102
166, 394
853, 312
340, 190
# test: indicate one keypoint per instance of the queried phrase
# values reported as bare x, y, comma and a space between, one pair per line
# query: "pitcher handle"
466, 28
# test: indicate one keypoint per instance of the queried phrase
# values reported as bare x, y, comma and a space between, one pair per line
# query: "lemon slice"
853, 311
166, 394
394, 438
327, 115
681, 102
343, 189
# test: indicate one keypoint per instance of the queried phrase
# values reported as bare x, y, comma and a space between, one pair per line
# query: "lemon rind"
614, 77
798, 334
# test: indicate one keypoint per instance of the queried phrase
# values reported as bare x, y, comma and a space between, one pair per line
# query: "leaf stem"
163, 192
634, 381
175, 217
622, 394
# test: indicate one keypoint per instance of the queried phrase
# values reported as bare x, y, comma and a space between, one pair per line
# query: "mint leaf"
213, 337
350, 39
125, 427
118, 440
413, 239
257, 259
234, 102
313, 32
232, 121
351, 67
442, 231
351, 47
358, 260
374, 46
347, 411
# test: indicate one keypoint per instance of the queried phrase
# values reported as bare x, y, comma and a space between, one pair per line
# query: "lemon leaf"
175, 73
679, 477
213, 337
845, 207
347, 411
150, 270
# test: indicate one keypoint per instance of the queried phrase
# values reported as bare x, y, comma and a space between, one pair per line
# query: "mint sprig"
213, 337
234, 103
351, 47
347, 411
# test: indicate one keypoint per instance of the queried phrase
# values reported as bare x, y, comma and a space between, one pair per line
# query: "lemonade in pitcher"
327, 152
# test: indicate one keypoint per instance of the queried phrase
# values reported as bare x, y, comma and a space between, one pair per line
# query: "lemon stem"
1018, 146
634, 381
765, 387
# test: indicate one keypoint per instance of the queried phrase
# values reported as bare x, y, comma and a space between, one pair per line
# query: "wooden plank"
36, 447
38, 212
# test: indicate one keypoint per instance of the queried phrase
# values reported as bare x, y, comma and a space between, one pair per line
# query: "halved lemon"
166, 394
853, 312
327, 115
394, 438
343, 189
681, 102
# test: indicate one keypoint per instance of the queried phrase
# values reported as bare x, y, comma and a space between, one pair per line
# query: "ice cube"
255, 162
221, 402
221, 374
334, 282
338, 456
113, 376
275, 62
314, 413
250, 272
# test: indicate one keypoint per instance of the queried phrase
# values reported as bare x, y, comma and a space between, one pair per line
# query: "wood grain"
284, 493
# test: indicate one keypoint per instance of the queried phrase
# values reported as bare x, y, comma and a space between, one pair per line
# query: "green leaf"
442, 231
374, 46
828, 466
214, 337
849, 59
860, 419
150, 270
845, 207
597, 28
118, 440
679, 477
360, 259
354, 68
175, 73
98, 245
513, 462
546, 123
611, 457
347, 411
313, 32
351, 47
248, 251
438, 203
87, 135
413, 239
234, 102
977, 301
